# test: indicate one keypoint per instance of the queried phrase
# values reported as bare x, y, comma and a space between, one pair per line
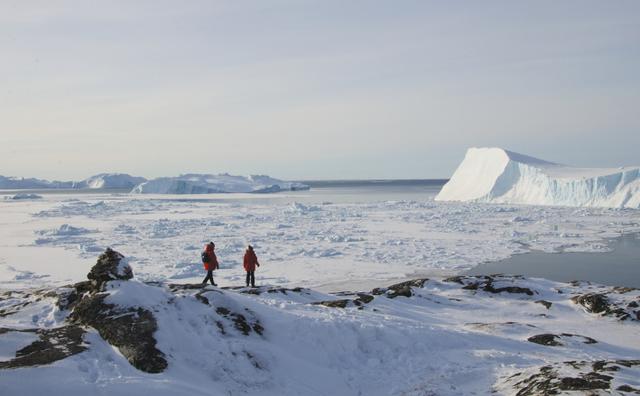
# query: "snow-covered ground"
464, 336
500, 176
305, 238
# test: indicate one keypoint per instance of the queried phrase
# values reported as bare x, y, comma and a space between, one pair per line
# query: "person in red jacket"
250, 264
210, 262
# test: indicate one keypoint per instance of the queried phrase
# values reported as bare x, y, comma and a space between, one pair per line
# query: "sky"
313, 89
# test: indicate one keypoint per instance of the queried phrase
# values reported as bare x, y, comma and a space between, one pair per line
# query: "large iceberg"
499, 176
223, 183
110, 180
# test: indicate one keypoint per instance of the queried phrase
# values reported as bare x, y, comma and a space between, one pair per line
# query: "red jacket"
212, 264
250, 261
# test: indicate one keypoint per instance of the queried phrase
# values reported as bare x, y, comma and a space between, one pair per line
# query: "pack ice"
222, 183
499, 176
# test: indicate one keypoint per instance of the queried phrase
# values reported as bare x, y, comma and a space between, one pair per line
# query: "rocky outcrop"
52, 345
487, 283
547, 304
557, 340
240, 321
362, 299
571, 376
400, 289
111, 265
130, 330
612, 303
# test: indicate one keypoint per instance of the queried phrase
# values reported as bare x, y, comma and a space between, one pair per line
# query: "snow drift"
223, 183
499, 176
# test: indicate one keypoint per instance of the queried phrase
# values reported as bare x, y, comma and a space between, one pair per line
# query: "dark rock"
454, 279
586, 376
222, 311
545, 339
633, 304
485, 283
400, 289
472, 286
547, 304
598, 303
202, 298
364, 298
129, 329
184, 286
53, 345
240, 322
109, 267
569, 383
555, 340
334, 303
509, 289
628, 389
593, 302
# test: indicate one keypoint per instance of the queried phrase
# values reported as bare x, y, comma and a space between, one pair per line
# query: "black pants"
251, 277
209, 277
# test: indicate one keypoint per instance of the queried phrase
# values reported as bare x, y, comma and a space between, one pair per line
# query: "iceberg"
495, 175
21, 183
222, 183
100, 181
110, 180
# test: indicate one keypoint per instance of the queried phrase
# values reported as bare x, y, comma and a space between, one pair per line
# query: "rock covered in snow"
111, 265
222, 183
499, 176
110, 180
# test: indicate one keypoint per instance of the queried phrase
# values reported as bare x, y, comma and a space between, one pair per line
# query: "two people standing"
210, 262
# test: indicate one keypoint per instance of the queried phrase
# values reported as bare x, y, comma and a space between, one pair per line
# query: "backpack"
205, 257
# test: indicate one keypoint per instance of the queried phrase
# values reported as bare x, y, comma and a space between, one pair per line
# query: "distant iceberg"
223, 183
110, 180
100, 181
499, 176
21, 183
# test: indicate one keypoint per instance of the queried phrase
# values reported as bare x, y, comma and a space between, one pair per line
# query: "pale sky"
313, 89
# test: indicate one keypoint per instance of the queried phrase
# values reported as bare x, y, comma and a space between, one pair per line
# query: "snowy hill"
222, 183
110, 180
115, 335
500, 176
